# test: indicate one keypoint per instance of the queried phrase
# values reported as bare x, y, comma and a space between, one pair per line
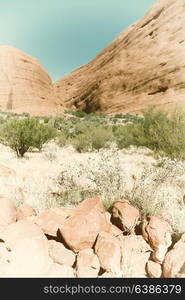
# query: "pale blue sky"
65, 34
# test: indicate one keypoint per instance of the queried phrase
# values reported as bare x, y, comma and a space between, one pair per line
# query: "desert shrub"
87, 134
127, 117
2, 120
82, 143
25, 114
124, 135
159, 191
156, 130
114, 121
100, 137
65, 126
98, 115
46, 119
80, 114
42, 134
89, 138
119, 116
57, 122
24, 134
96, 175
74, 133
62, 139
81, 128
17, 134
77, 113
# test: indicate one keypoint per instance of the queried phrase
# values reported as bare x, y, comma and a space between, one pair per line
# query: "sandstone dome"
144, 65
24, 85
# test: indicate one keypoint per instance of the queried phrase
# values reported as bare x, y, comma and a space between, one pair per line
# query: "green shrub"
127, 117
25, 114
119, 116
61, 139
24, 134
2, 120
89, 138
81, 128
100, 137
123, 136
46, 120
82, 143
98, 115
57, 122
156, 130
42, 134
163, 134
77, 113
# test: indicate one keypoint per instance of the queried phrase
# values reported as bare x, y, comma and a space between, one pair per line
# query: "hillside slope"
144, 65
24, 84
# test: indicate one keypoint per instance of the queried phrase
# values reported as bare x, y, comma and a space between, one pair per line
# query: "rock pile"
83, 242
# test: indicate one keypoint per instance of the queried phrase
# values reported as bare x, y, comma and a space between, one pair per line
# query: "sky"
65, 34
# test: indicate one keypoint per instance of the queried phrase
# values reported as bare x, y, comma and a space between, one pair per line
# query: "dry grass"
156, 187
33, 182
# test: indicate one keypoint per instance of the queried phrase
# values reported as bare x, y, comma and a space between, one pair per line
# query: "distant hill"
24, 85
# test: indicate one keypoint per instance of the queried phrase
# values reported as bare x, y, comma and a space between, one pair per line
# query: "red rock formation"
174, 263
157, 232
80, 230
25, 211
144, 65
87, 265
124, 215
51, 220
24, 85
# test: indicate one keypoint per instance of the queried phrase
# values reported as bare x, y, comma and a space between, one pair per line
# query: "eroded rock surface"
24, 85
143, 65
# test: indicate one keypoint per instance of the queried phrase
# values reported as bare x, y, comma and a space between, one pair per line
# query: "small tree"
43, 134
22, 135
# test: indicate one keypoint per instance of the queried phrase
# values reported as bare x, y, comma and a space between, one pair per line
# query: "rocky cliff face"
144, 65
24, 85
